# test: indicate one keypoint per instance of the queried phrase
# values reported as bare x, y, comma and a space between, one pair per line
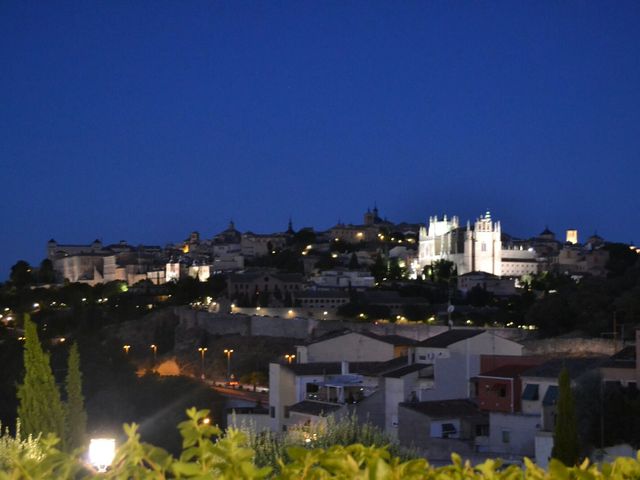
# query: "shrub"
230, 458
12, 448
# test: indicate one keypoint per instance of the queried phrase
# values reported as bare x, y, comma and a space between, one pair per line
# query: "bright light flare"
102, 451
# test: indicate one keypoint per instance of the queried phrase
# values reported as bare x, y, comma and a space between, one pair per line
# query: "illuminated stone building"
476, 248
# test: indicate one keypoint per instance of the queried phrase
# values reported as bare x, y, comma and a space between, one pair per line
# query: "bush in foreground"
229, 458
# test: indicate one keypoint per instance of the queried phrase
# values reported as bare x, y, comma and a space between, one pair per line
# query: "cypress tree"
40, 409
75, 415
565, 436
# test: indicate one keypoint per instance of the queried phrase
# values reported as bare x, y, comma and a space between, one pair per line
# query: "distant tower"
369, 217
290, 229
572, 236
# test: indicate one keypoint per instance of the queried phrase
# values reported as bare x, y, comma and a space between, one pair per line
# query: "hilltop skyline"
144, 122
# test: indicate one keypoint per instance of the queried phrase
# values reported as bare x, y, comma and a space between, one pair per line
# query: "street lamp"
202, 350
154, 348
126, 349
228, 353
102, 451
289, 357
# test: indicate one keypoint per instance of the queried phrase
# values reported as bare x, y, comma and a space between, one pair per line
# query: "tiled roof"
625, 358
505, 371
317, 409
575, 367
370, 369
445, 408
449, 338
406, 370
390, 339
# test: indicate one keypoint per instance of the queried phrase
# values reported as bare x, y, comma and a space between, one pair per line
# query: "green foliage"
75, 415
269, 446
566, 447
18, 447
230, 457
442, 271
40, 408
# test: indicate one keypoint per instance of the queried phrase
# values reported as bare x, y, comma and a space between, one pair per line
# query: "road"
246, 395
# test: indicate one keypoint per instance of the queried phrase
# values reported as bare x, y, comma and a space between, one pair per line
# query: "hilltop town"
447, 336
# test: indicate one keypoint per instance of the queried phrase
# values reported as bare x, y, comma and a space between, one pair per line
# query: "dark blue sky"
146, 120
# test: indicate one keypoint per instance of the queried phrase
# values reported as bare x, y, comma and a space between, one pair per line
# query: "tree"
396, 272
255, 378
353, 262
21, 274
75, 414
443, 271
45, 272
379, 269
565, 436
40, 408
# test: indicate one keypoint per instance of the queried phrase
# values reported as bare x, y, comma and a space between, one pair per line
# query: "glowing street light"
228, 353
126, 349
154, 349
289, 357
102, 451
202, 350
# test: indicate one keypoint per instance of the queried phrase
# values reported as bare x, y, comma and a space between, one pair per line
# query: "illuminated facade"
471, 249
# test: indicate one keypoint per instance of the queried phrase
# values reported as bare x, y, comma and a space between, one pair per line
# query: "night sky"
144, 121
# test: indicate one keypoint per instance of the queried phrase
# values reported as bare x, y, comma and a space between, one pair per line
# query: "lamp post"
126, 349
202, 350
228, 353
154, 349
289, 358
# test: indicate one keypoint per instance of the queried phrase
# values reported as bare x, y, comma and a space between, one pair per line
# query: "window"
448, 430
272, 412
530, 392
483, 247
502, 391
506, 436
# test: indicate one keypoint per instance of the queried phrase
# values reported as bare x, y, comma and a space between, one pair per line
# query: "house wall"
414, 430
491, 362
522, 430
487, 343
544, 446
372, 409
282, 392
498, 394
451, 378
535, 406
352, 347
622, 375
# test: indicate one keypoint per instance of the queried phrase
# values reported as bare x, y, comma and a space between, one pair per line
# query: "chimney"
345, 367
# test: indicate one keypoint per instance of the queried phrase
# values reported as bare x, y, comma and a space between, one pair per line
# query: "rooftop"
406, 370
575, 366
625, 358
390, 339
505, 371
445, 408
370, 369
317, 409
449, 337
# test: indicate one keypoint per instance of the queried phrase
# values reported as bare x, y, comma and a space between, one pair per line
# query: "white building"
477, 248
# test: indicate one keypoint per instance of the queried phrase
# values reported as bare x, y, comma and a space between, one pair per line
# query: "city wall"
302, 328
188, 325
